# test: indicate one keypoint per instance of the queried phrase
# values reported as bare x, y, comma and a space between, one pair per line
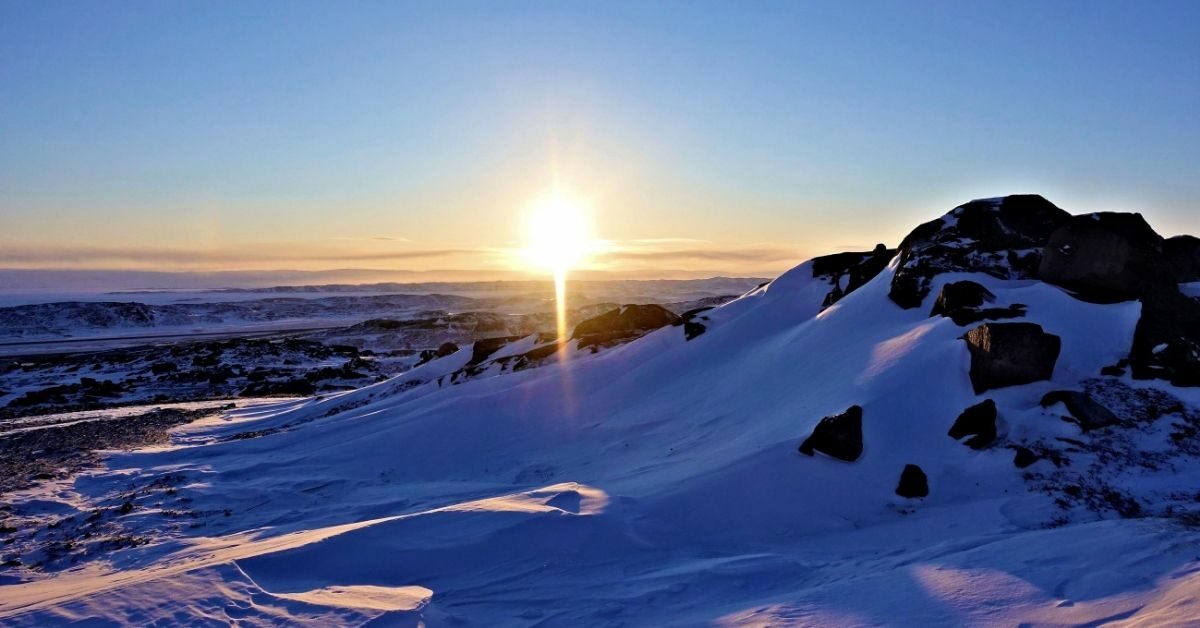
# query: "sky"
731, 137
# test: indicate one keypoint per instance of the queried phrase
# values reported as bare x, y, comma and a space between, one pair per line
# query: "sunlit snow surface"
656, 483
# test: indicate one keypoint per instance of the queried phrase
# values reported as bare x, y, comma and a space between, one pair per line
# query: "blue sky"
728, 136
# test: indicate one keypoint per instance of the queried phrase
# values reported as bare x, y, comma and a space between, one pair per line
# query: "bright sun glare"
557, 240
556, 234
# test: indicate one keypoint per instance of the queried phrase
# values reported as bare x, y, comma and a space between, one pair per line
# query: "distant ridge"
40, 280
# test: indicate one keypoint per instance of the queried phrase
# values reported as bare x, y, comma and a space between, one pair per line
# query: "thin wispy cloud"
761, 255
96, 256
690, 251
369, 238
667, 240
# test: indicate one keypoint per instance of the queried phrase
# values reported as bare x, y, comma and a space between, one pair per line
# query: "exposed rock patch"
978, 422
1009, 354
58, 451
1132, 405
838, 436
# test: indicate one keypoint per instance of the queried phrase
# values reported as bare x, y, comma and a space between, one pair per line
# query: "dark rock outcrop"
978, 422
163, 367
445, 349
1109, 257
857, 267
1084, 410
625, 322
839, 436
962, 302
286, 388
1003, 237
485, 347
693, 322
1106, 257
913, 483
1009, 354
1183, 256
1166, 341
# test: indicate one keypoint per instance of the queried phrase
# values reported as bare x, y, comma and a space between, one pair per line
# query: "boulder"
978, 422
1166, 340
1085, 411
839, 436
1002, 237
1106, 257
857, 267
913, 483
1009, 354
1024, 457
957, 295
962, 302
1183, 256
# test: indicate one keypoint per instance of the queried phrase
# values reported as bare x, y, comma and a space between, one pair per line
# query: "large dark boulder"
960, 294
1009, 354
1166, 341
1024, 457
913, 483
1002, 237
1106, 257
839, 436
962, 302
978, 422
1084, 410
857, 267
1183, 255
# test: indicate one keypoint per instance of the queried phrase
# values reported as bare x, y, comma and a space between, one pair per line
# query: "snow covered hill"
664, 481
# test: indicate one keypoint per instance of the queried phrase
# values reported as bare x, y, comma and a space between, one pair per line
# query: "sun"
556, 234
557, 239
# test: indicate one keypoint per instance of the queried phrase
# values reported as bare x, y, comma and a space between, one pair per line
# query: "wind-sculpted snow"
657, 482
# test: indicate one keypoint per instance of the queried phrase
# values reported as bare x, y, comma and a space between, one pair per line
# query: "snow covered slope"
659, 483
